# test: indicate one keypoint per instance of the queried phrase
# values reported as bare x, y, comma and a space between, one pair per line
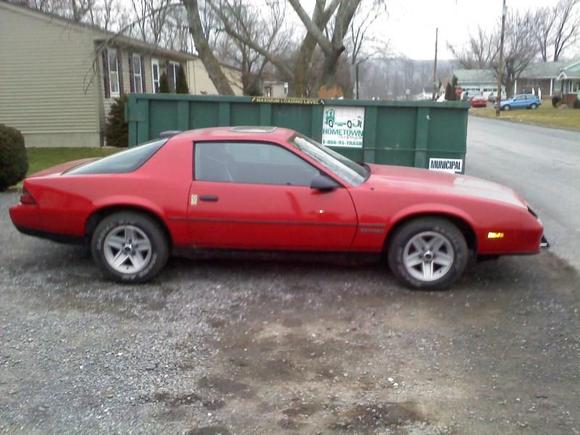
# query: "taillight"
26, 197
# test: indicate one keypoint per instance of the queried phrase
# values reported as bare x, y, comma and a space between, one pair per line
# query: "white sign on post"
343, 126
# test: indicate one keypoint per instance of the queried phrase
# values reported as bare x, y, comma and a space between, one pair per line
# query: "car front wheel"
129, 247
507, 108
534, 106
428, 253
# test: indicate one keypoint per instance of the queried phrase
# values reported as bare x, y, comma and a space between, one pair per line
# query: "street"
542, 164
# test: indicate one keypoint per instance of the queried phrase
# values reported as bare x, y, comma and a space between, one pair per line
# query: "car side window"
251, 163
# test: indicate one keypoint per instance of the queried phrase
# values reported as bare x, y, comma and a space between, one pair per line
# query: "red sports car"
479, 101
258, 188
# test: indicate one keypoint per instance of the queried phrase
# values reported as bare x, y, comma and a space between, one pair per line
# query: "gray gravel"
245, 346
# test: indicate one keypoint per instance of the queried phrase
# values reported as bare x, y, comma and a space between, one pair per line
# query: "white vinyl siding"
49, 89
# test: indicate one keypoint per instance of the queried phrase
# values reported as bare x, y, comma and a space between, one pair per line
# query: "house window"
137, 74
173, 68
113, 63
155, 74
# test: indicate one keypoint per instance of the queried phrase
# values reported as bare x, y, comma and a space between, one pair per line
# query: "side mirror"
323, 183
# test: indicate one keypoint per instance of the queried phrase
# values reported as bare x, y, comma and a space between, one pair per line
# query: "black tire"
441, 226
158, 241
507, 108
534, 106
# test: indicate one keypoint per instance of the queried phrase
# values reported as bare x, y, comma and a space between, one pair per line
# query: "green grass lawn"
42, 158
545, 115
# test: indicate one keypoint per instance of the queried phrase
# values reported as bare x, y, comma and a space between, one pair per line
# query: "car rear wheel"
129, 247
428, 253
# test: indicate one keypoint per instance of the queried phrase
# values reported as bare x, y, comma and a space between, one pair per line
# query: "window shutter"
131, 74
120, 68
168, 72
143, 74
106, 73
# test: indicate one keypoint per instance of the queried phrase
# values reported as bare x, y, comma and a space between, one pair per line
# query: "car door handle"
208, 198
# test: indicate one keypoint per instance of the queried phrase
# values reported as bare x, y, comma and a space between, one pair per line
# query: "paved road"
543, 164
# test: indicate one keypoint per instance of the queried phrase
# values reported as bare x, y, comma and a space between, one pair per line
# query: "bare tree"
360, 44
544, 20
520, 47
295, 69
480, 52
175, 34
80, 8
557, 28
332, 47
110, 15
264, 26
204, 50
358, 39
150, 18
566, 26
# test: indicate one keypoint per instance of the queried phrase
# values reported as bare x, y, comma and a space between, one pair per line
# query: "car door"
519, 101
256, 195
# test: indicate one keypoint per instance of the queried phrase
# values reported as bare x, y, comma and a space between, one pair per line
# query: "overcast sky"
411, 24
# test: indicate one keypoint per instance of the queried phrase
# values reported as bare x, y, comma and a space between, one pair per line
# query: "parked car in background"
479, 101
273, 189
521, 101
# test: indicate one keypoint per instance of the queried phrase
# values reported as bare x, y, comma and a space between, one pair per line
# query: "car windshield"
125, 161
344, 168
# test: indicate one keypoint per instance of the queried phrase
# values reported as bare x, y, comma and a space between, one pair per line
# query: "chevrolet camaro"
271, 189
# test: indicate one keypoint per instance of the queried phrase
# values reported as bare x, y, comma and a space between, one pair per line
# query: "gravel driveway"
243, 346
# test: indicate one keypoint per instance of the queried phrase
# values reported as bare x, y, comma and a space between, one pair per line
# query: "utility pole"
435, 82
500, 67
356, 76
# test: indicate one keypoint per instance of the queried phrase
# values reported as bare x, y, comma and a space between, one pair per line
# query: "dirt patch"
209, 430
376, 416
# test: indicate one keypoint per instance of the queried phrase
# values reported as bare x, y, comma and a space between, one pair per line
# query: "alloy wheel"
127, 249
428, 256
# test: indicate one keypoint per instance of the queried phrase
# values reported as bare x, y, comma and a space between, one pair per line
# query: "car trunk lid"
62, 167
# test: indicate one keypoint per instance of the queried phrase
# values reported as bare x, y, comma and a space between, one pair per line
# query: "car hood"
441, 183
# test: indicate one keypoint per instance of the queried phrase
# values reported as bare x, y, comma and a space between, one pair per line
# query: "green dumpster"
423, 134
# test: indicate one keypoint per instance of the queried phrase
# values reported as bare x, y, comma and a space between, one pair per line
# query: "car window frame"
322, 170
72, 171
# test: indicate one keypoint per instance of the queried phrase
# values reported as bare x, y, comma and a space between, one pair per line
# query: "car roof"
243, 132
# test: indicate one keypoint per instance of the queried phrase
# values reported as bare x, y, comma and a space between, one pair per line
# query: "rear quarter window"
123, 162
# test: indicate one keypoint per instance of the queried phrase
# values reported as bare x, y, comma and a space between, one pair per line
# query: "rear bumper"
60, 238
27, 220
